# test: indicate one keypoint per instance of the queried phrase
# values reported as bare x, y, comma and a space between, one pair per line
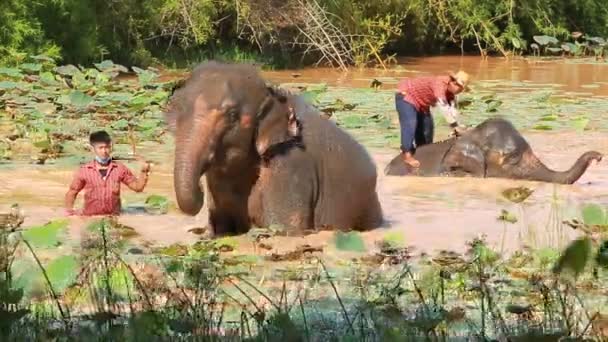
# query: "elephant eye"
233, 114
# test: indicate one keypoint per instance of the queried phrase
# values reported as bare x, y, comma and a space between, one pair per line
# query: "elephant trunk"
193, 154
534, 169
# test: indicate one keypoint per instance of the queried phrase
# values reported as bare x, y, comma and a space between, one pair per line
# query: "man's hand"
70, 212
146, 168
138, 184
457, 129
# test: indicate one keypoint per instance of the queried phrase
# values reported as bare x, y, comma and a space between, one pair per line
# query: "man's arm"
447, 108
137, 184
449, 111
70, 196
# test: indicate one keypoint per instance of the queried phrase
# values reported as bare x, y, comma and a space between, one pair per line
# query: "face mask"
102, 161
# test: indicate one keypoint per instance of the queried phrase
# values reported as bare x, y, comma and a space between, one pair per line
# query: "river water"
431, 213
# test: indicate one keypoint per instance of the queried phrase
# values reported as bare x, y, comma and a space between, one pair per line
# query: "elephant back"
331, 145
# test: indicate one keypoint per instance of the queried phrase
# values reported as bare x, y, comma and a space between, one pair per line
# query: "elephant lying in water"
492, 149
269, 158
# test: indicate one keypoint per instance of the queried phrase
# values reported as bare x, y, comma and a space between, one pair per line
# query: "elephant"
268, 157
494, 148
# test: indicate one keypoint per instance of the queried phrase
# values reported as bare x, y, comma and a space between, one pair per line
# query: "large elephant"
269, 158
494, 148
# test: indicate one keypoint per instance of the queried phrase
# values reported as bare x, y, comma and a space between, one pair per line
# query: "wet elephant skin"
268, 157
494, 148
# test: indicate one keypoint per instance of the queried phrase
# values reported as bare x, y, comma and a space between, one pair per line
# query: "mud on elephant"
494, 148
268, 157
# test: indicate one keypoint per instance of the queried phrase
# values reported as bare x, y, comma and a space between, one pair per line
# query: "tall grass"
477, 295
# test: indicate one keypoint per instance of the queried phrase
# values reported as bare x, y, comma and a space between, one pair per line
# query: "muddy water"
432, 213
568, 75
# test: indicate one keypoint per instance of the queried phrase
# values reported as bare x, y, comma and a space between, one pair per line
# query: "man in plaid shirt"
101, 179
413, 100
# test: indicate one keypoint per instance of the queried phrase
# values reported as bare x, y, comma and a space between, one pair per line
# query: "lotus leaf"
146, 78
580, 124
6, 85
28, 278
516, 43
545, 40
11, 72
506, 216
46, 108
395, 239
67, 70
569, 47
121, 282
350, 241
121, 124
549, 117
575, 257
351, 121
597, 40
493, 105
102, 79
157, 204
518, 194
594, 214
119, 97
31, 67
105, 65
45, 236
62, 272
543, 127
42, 144
48, 79
43, 58
79, 99
79, 80
147, 124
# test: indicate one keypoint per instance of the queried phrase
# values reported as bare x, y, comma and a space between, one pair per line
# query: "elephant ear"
279, 126
170, 118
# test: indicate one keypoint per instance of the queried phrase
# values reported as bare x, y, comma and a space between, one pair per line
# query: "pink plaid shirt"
102, 194
424, 92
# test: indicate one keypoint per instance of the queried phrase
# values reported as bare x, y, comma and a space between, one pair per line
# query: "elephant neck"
430, 156
280, 149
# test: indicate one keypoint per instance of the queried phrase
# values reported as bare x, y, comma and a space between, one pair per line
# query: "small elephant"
269, 158
494, 148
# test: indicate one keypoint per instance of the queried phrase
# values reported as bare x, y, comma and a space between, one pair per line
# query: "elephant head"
224, 117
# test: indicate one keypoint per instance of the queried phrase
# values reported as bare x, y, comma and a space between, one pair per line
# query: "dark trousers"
416, 127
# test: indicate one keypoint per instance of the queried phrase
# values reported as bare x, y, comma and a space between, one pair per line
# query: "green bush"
186, 31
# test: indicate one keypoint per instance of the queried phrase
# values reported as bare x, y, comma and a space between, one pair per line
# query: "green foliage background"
175, 32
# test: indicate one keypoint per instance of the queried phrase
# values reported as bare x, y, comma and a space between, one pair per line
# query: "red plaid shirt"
424, 92
102, 194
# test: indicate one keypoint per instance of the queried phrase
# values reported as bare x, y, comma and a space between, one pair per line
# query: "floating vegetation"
156, 204
51, 108
518, 194
297, 254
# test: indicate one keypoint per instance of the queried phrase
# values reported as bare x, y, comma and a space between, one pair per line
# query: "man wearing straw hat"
413, 100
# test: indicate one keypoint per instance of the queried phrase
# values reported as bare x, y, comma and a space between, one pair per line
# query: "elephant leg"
372, 216
283, 196
227, 209
464, 160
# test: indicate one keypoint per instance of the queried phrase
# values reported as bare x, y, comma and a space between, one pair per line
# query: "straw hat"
461, 78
